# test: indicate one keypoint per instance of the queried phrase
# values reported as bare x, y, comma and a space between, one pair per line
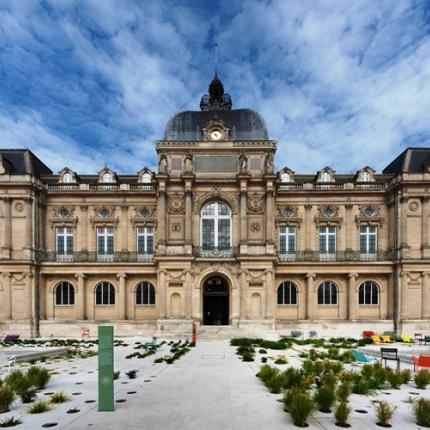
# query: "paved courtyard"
209, 388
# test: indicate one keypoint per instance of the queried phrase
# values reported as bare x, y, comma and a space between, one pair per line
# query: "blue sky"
92, 83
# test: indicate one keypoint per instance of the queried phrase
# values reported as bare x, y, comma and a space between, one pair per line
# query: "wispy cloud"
344, 84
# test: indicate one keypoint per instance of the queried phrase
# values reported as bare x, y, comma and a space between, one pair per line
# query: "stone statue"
188, 163
243, 163
269, 164
162, 163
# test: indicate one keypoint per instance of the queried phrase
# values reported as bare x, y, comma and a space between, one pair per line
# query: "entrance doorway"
215, 301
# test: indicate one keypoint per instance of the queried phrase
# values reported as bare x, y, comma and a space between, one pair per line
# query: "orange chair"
422, 361
85, 333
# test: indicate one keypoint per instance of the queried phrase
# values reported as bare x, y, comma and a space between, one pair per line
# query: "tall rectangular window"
64, 243
105, 243
145, 240
368, 241
328, 242
287, 240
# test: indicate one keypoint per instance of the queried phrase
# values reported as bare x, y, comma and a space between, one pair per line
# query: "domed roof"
244, 124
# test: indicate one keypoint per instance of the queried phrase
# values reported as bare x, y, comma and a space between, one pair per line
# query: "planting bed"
78, 367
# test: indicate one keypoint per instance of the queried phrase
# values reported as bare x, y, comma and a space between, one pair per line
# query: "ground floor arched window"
327, 293
368, 293
145, 294
105, 294
64, 294
287, 293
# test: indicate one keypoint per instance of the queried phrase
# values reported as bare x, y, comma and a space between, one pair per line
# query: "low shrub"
361, 386
384, 413
158, 360
7, 396
116, 374
262, 351
132, 374
59, 397
10, 422
288, 397
38, 376
274, 384
292, 377
394, 378
281, 360
39, 407
342, 413
266, 372
421, 410
422, 379
301, 407
307, 381
344, 391
406, 375
325, 396
247, 356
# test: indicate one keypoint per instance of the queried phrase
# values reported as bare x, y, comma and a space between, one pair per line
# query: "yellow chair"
376, 339
387, 339
407, 339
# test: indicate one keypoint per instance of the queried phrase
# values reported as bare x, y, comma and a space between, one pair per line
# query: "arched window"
365, 176
327, 293
368, 293
216, 226
105, 294
285, 177
67, 177
325, 177
287, 294
107, 177
64, 294
146, 178
145, 294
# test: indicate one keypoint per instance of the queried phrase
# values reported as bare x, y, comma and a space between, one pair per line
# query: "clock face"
216, 135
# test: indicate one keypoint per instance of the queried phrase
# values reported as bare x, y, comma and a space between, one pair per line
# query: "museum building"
215, 236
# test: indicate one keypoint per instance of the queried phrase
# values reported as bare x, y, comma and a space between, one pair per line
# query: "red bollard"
194, 337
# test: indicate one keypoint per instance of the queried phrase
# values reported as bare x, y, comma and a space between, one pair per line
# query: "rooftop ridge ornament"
216, 99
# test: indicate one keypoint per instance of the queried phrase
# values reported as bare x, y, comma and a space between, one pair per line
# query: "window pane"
208, 233
333, 294
321, 294
99, 295
139, 294
149, 244
281, 294
223, 209
283, 244
361, 295
293, 300
151, 295
332, 243
224, 233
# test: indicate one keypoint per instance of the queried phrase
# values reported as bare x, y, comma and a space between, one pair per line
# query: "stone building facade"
215, 236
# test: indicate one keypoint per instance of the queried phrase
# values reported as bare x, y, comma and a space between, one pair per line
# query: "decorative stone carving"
176, 203
243, 163
19, 207
162, 163
216, 193
414, 205
188, 162
255, 203
269, 165
255, 227
216, 130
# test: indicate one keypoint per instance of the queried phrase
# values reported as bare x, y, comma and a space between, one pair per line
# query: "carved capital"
352, 276
80, 276
121, 276
310, 276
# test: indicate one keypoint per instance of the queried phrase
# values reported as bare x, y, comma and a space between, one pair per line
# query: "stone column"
403, 296
7, 277
188, 216
243, 217
80, 298
29, 223
269, 294
162, 220
308, 228
188, 294
269, 215
425, 222
49, 302
404, 222
310, 299
243, 295
7, 223
122, 295
348, 228
162, 293
351, 297
83, 224
124, 228
425, 296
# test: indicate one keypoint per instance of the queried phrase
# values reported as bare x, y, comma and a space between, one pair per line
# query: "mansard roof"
23, 162
411, 160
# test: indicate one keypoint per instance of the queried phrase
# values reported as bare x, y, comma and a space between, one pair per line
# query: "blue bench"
361, 357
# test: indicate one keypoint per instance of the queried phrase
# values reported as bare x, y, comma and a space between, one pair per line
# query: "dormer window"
367, 174
285, 177
146, 178
67, 178
107, 177
326, 177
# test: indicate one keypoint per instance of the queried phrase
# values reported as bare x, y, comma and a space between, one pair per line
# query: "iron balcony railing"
89, 256
330, 186
100, 187
215, 252
305, 256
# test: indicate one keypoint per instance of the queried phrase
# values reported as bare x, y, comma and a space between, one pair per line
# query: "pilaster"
80, 299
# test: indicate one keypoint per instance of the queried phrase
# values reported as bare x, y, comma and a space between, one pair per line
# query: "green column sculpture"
106, 397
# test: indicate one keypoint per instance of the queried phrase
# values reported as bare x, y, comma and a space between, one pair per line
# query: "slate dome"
244, 124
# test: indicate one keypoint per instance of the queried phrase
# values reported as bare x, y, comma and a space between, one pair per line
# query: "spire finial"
216, 58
